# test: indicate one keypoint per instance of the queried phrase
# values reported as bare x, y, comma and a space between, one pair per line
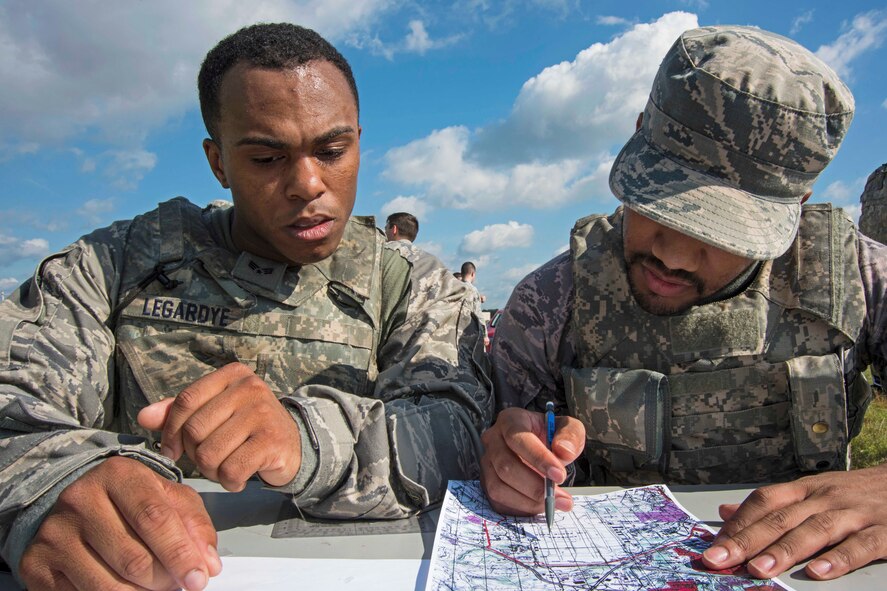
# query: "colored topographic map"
638, 539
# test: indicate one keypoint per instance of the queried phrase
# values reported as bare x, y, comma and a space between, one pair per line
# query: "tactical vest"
747, 389
192, 306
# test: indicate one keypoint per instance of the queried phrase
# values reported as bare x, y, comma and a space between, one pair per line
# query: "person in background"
468, 274
276, 338
873, 205
401, 226
714, 328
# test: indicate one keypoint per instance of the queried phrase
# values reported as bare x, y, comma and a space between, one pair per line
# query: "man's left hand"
231, 426
780, 525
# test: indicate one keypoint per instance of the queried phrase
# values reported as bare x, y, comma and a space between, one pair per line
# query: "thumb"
153, 416
569, 439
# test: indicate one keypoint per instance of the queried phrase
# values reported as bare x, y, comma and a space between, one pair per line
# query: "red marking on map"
678, 586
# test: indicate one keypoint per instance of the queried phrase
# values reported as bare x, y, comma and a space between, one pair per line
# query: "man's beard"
653, 303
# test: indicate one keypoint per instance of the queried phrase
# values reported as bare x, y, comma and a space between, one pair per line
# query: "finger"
210, 435
197, 522
153, 416
515, 471
727, 510
529, 447
102, 576
569, 439
504, 498
190, 400
119, 549
856, 551
764, 517
46, 578
760, 503
229, 456
153, 517
815, 533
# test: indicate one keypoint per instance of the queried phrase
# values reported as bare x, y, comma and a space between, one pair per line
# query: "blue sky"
494, 122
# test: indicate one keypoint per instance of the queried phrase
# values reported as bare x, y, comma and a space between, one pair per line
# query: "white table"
244, 522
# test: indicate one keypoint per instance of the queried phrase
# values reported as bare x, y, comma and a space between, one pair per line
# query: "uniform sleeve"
392, 454
531, 343
56, 367
873, 339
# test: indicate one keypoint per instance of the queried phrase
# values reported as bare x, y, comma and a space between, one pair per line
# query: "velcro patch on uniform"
731, 331
182, 311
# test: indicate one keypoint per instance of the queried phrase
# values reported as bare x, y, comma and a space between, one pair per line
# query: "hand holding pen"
517, 459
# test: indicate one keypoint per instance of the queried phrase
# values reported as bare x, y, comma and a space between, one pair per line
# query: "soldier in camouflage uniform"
873, 218
401, 226
277, 337
712, 329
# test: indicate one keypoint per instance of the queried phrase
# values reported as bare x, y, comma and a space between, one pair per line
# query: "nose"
305, 182
677, 251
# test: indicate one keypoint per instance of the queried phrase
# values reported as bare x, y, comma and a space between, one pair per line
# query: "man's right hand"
123, 526
516, 460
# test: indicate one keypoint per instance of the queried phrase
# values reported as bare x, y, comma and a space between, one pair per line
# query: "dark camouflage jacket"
540, 344
377, 355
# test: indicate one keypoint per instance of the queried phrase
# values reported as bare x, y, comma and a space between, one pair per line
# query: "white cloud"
582, 107
555, 146
843, 193
515, 274
561, 249
410, 204
884, 104
126, 168
7, 284
13, 249
799, 21
497, 237
94, 210
865, 32
611, 20
441, 164
417, 40
837, 191
122, 68
853, 211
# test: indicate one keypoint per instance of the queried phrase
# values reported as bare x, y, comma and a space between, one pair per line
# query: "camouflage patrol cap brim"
738, 126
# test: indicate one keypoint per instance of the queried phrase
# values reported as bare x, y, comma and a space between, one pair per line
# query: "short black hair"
468, 268
407, 224
274, 46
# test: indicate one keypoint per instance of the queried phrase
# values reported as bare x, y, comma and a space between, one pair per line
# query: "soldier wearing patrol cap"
873, 200
713, 329
278, 337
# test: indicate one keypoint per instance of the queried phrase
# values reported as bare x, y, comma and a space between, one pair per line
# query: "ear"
639, 121
806, 197
214, 157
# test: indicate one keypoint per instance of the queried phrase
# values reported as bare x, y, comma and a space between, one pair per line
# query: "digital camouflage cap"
739, 124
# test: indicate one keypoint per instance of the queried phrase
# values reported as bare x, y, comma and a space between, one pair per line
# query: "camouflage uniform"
755, 400
376, 355
873, 218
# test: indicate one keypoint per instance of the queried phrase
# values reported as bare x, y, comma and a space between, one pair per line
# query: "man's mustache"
665, 272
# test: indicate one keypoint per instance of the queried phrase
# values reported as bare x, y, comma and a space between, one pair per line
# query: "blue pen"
549, 485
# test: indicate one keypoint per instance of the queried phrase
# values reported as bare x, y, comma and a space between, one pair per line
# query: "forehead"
313, 89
